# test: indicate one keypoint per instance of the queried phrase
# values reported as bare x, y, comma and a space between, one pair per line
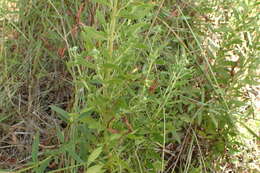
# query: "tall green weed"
157, 85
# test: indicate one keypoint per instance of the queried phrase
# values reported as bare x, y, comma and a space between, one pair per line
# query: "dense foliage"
128, 86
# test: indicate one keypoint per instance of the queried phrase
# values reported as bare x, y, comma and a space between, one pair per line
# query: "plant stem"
112, 29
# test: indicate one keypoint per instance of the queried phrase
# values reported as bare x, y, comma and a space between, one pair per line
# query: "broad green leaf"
63, 114
93, 33
95, 169
94, 155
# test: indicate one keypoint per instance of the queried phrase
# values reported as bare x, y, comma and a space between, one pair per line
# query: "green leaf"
136, 27
94, 155
70, 149
63, 114
115, 137
101, 17
60, 135
214, 120
91, 122
44, 165
93, 33
84, 115
96, 82
74, 155
35, 147
137, 12
89, 44
95, 169
4, 118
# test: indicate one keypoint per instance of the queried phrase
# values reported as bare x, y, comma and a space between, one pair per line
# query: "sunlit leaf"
94, 155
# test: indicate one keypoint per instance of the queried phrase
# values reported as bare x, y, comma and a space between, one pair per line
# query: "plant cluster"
131, 86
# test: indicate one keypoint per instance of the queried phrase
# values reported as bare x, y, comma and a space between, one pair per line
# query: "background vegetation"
129, 86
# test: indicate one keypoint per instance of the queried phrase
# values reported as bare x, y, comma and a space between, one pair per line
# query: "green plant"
154, 85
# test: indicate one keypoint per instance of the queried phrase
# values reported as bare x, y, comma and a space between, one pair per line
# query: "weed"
137, 86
